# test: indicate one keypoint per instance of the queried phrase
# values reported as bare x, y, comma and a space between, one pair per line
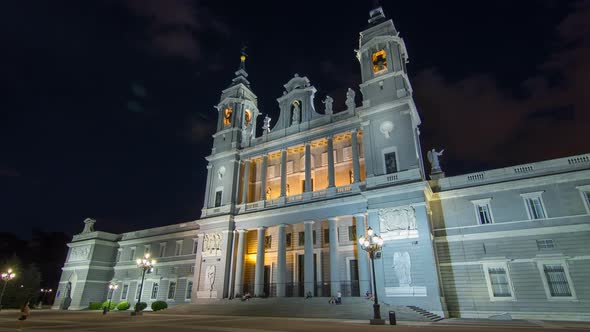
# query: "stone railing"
388, 179
515, 172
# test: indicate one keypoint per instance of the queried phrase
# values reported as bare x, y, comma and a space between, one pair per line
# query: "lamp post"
145, 264
6, 276
372, 243
45, 291
112, 288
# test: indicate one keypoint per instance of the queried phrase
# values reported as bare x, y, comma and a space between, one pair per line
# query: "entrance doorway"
266, 287
301, 274
354, 278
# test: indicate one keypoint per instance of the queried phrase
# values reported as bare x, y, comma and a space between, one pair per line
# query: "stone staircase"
426, 314
352, 308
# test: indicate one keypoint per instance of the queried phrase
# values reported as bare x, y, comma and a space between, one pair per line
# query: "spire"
241, 73
376, 16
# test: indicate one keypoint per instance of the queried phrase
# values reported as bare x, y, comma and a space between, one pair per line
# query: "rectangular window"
162, 249
301, 238
137, 291
195, 245
270, 172
324, 159
585, 192
347, 153
189, 290
352, 233
171, 290
289, 166
146, 249
390, 162
534, 205
483, 211
218, 198
313, 237
326, 236
132, 254
545, 244
557, 281
155, 287
499, 282
267, 242
178, 248
288, 240
124, 292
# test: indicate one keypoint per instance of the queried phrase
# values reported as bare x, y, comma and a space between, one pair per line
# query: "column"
331, 182
223, 276
246, 181
334, 259
198, 261
283, 172
239, 279
263, 178
368, 150
207, 186
282, 261
356, 167
259, 272
363, 258
308, 270
307, 167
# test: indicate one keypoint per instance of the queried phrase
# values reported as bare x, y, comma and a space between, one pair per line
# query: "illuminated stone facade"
283, 210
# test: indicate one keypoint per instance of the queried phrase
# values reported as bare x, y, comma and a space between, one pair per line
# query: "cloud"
177, 27
477, 120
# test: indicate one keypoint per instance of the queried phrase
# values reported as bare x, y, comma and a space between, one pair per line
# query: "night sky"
106, 108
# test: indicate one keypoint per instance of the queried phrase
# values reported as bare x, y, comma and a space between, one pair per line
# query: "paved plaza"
46, 320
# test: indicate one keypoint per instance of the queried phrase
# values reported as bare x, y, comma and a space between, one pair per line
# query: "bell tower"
237, 112
382, 55
389, 114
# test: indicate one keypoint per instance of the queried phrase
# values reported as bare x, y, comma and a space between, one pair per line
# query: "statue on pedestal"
88, 225
433, 159
266, 124
296, 113
350, 94
329, 101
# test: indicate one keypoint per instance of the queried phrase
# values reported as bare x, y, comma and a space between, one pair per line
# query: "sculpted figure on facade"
350, 94
396, 219
210, 277
296, 113
88, 225
433, 159
266, 124
402, 266
329, 101
79, 253
211, 244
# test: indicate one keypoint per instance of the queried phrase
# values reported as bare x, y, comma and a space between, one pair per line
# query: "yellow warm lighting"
379, 60
227, 116
243, 58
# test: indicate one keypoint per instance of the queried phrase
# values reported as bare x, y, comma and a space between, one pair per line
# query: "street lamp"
45, 291
372, 243
145, 264
112, 288
6, 276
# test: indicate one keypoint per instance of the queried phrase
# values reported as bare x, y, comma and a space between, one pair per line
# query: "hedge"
159, 305
123, 306
95, 306
111, 305
140, 306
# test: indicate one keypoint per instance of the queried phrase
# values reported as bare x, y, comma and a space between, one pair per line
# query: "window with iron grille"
288, 240
352, 233
545, 244
326, 236
499, 282
534, 205
557, 281
171, 290
189, 289
124, 292
155, 287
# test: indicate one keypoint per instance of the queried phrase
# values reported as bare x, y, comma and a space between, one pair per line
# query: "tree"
24, 287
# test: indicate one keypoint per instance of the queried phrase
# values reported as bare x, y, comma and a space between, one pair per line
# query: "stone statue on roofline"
329, 101
266, 124
436, 171
88, 225
350, 94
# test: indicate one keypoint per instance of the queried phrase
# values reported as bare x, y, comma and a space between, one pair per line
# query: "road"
47, 320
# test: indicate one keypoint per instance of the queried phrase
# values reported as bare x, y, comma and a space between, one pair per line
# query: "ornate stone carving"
88, 225
386, 128
396, 219
433, 159
221, 172
350, 94
402, 266
210, 277
211, 245
329, 101
79, 253
296, 113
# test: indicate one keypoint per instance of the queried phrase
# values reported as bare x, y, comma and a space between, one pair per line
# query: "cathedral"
284, 210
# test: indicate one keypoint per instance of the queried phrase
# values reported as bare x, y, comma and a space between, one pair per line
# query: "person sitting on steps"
246, 297
308, 295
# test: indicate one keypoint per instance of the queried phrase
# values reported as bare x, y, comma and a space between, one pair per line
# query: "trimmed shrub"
140, 306
123, 306
159, 305
106, 304
95, 306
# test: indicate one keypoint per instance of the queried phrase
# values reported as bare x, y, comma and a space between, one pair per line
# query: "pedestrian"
308, 295
25, 312
339, 298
